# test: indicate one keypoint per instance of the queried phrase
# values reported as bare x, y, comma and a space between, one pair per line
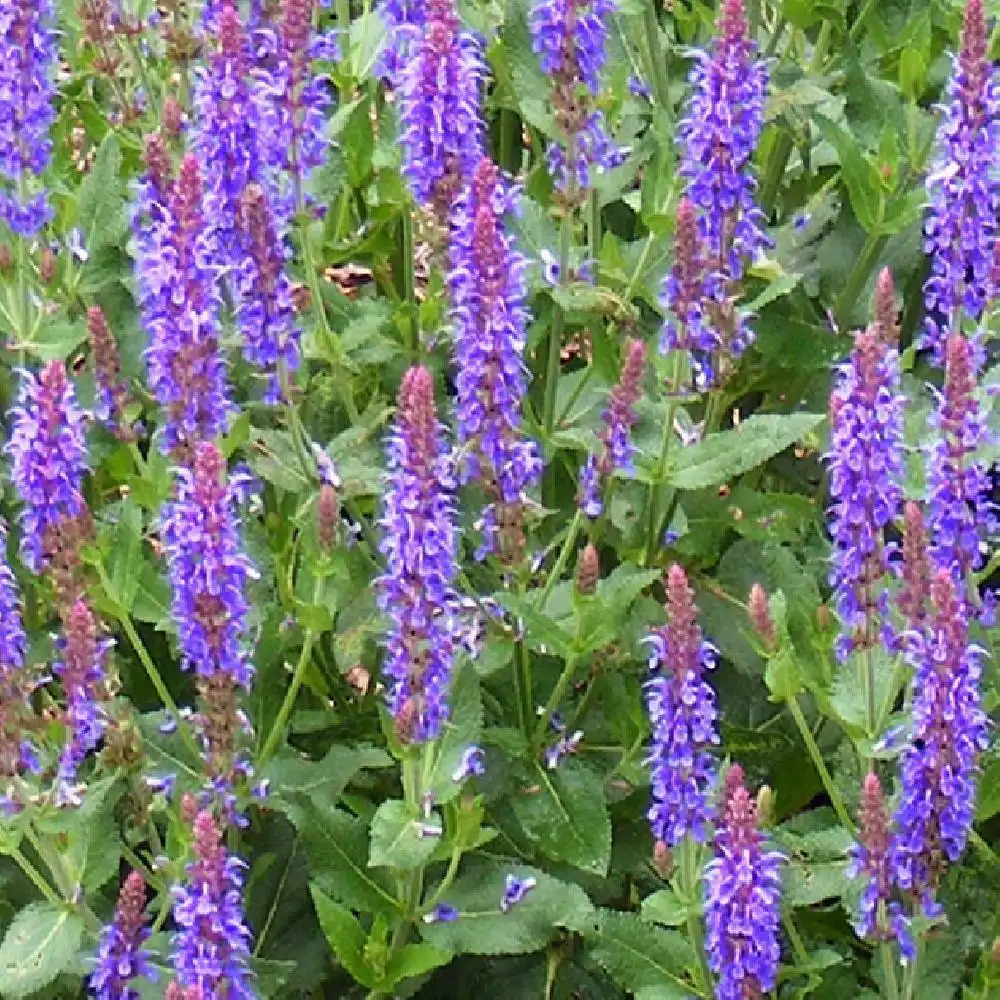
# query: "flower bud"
588, 571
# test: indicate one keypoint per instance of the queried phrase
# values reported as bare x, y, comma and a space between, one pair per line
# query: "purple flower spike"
619, 417
122, 957
960, 515
964, 190
939, 767
27, 65
15, 684
488, 292
419, 547
742, 900
211, 950
682, 717
866, 469
208, 568
179, 302
80, 668
440, 112
48, 452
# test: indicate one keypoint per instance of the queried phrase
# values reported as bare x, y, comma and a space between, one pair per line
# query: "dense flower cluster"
179, 302
27, 64
866, 468
742, 899
940, 764
112, 392
440, 110
488, 294
682, 717
915, 572
404, 21
211, 949
960, 515
419, 546
208, 569
14, 684
80, 668
963, 188
619, 417
122, 957
48, 450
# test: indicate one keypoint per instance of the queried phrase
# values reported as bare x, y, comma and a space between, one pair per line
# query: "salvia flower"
940, 764
515, 889
879, 916
959, 512
211, 949
617, 452
866, 469
179, 302
742, 899
419, 547
27, 93
682, 716
122, 956
884, 312
915, 572
963, 188
14, 682
209, 570
48, 452
718, 137
112, 392
80, 667
440, 113
404, 21
490, 316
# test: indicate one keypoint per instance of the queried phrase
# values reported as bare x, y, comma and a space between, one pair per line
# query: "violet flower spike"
122, 957
490, 315
48, 452
682, 716
963, 188
28, 54
440, 114
950, 732
15, 685
866, 470
211, 949
742, 899
419, 547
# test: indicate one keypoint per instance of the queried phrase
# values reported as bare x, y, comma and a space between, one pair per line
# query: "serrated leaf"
541, 632
414, 960
322, 781
567, 816
665, 907
345, 936
397, 838
39, 945
462, 730
860, 176
483, 928
641, 957
723, 456
101, 204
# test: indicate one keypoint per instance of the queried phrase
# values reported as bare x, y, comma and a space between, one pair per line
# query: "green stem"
288, 704
888, 970
657, 57
564, 553
594, 225
522, 686
553, 364
688, 878
910, 978
817, 758
558, 693
860, 273
652, 495
409, 286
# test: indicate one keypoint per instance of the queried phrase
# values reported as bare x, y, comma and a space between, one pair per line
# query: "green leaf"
665, 907
397, 840
344, 934
641, 957
125, 562
57, 340
568, 816
482, 928
864, 186
989, 792
723, 456
541, 632
323, 781
101, 204
414, 960
337, 845
40, 944
462, 730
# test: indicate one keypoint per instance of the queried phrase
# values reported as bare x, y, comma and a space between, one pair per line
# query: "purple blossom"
179, 301
419, 546
80, 669
939, 767
964, 189
515, 889
211, 949
122, 957
866, 469
960, 515
48, 452
742, 900
682, 716
209, 570
440, 114
15, 684
490, 315
473, 762
27, 94
619, 417
404, 20
442, 913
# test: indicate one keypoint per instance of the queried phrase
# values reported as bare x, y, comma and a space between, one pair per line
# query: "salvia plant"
499, 499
